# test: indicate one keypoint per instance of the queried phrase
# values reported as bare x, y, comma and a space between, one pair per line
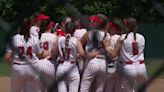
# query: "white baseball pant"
96, 68
68, 72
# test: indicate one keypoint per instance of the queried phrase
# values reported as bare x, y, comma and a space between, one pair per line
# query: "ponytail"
66, 52
131, 24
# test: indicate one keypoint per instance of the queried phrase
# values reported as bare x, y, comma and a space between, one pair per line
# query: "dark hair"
118, 22
131, 24
104, 20
43, 25
24, 28
69, 27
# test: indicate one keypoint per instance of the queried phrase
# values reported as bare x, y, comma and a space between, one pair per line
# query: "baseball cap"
41, 17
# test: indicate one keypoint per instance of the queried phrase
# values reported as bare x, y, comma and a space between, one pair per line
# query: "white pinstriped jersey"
71, 52
90, 46
113, 40
126, 53
34, 31
79, 33
47, 41
23, 51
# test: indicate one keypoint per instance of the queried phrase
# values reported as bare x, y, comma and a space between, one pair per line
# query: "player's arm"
84, 38
40, 52
43, 54
80, 49
54, 51
113, 52
94, 53
8, 56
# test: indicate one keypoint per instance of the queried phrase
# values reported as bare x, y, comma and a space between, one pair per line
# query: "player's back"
47, 41
126, 53
92, 35
113, 40
71, 52
23, 50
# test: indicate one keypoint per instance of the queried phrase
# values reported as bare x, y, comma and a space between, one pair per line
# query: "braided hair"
131, 25
69, 28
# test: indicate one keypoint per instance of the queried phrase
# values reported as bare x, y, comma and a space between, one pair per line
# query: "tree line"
141, 9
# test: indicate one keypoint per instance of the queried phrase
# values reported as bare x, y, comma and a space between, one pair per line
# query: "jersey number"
135, 48
44, 45
22, 52
66, 53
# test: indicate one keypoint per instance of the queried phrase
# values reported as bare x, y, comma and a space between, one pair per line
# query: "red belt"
130, 62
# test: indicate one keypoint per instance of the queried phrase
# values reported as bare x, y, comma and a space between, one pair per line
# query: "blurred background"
150, 20
149, 14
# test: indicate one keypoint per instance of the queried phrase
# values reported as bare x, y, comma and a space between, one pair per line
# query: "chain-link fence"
7, 29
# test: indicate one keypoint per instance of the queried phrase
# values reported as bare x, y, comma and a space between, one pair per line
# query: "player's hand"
106, 43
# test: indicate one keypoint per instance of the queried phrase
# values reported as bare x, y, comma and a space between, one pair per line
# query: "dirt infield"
156, 86
4, 84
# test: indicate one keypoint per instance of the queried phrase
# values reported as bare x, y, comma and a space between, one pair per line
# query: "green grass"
152, 66
4, 69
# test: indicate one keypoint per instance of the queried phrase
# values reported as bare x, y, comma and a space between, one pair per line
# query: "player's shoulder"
140, 35
34, 28
49, 35
16, 36
79, 32
60, 38
115, 36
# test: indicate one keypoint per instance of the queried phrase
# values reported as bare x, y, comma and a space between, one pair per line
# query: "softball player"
78, 33
113, 79
131, 58
46, 66
67, 74
96, 67
23, 52
47, 40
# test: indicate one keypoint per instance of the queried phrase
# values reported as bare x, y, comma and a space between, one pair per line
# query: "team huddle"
109, 57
